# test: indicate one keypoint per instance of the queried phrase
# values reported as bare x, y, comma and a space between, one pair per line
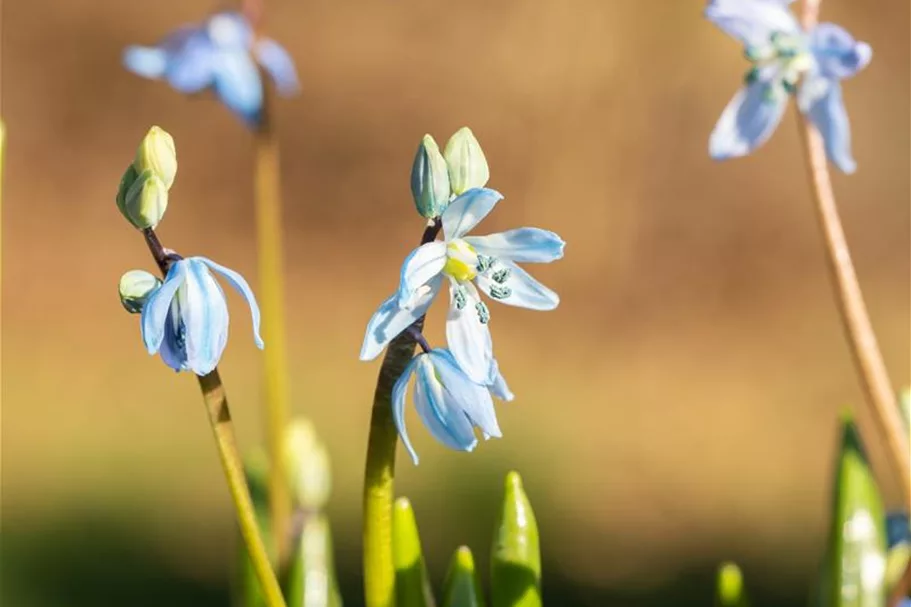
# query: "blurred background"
679, 408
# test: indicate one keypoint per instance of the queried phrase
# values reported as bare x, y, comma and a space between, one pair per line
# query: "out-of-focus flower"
786, 60
135, 287
449, 403
185, 320
470, 264
221, 53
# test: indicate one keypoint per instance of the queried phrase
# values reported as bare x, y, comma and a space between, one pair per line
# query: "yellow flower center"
461, 261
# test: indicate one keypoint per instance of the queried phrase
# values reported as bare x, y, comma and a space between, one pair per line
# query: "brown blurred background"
677, 409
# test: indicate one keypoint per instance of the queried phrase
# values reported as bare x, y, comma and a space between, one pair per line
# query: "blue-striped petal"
821, 100
204, 313
390, 319
497, 383
238, 84
420, 267
523, 290
146, 61
468, 338
441, 413
472, 398
241, 286
837, 54
398, 406
157, 307
278, 64
752, 22
467, 210
173, 347
523, 244
748, 120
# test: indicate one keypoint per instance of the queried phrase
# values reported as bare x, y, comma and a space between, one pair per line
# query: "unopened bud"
307, 465
135, 288
142, 198
157, 153
466, 162
430, 179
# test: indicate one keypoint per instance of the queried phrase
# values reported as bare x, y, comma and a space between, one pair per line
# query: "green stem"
213, 393
379, 475
271, 297
871, 367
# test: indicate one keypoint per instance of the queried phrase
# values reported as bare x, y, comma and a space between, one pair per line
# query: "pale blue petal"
838, 55
173, 347
748, 120
390, 320
238, 84
752, 22
497, 383
524, 244
229, 31
442, 415
398, 406
828, 113
473, 399
278, 64
146, 61
468, 338
524, 290
420, 267
241, 286
157, 307
467, 210
204, 313
898, 529
191, 67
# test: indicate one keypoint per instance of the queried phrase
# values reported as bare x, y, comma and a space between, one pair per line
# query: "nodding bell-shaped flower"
430, 179
185, 320
466, 162
221, 54
135, 287
471, 265
786, 60
448, 402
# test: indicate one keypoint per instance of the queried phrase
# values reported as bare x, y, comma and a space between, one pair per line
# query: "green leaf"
729, 591
461, 587
412, 587
516, 557
310, 579
853, 572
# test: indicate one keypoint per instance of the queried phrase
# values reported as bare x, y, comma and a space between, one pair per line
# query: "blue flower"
786, 60
469, 264
222, 53
186, 318
898, 529
447, 401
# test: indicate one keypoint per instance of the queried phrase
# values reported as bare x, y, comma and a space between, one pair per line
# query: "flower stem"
379, 475
213, 393
870, 365
272, 294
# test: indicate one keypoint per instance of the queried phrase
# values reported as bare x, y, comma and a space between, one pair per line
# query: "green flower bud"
466, 162
307, 465
142, 198
515, 575
135, 288
412, 584
461, 587
157, 153
430, 179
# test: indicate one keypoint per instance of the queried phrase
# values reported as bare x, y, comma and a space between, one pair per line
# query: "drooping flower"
786, 60
449, 403
185, 320
221, 53
469, 264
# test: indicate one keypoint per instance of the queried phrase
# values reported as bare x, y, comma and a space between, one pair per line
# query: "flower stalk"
878, 389
213, 393
379, 474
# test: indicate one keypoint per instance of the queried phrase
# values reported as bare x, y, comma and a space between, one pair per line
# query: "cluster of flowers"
184, 318
453, 386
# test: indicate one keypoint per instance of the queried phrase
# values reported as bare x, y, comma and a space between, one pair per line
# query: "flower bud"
142, 198
135, 288
430, 179
466, 162
307, 465
156, 153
